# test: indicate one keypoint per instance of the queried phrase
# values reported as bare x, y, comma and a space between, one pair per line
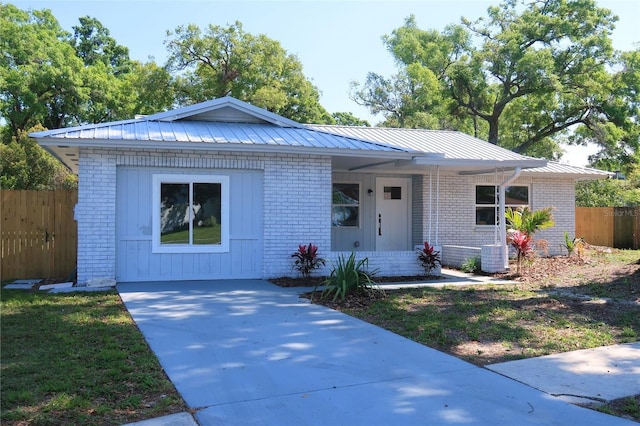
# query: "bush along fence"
38, 234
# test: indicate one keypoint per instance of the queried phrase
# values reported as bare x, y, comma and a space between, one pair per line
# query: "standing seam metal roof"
215, 133
453, 144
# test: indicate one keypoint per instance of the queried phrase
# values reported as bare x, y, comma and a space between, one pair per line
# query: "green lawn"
201, 235
77, 358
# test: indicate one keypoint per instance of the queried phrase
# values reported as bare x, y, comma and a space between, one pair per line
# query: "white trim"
489, 227
359, 205
190, 179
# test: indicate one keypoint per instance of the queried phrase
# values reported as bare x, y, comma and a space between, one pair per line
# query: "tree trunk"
493, 130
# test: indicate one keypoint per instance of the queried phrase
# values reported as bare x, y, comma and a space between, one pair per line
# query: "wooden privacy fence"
617, 227
39, 234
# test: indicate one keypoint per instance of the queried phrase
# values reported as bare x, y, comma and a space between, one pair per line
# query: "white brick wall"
96, 215
297, 208
455, 256
297, 191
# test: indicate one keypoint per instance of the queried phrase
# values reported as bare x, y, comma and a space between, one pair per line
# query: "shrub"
471, 265
347, 276
307, 259
575, 245
522, 243
429, 258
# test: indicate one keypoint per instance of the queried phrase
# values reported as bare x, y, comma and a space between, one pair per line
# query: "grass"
523, 322
201, 235
77, 358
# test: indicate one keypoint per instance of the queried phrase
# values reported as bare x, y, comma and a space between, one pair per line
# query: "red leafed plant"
429, 257
307, 259
522, 243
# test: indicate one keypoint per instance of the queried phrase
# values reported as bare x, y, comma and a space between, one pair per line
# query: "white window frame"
359, 205
496, 203
158, 180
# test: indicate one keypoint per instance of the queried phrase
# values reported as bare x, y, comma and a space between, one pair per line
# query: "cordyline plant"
307, 259
429, 257
522, 243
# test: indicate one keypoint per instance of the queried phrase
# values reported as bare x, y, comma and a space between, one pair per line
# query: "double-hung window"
345, 205
190, 213
487, 201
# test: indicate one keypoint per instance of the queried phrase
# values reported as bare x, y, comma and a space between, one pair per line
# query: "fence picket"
38, 234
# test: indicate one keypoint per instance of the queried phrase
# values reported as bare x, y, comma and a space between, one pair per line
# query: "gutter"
502, 220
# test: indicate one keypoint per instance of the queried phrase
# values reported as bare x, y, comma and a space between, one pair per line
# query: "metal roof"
581, 173
451, 144
206, 132
232, 125
221, 124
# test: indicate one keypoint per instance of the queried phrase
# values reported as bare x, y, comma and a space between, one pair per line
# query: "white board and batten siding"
135, 260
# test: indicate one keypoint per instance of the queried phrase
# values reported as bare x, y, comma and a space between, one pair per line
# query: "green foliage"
573, 245
526, 76
227, 61
471, 265
348, 119
607, 193
347, 276
527, 221
25, 165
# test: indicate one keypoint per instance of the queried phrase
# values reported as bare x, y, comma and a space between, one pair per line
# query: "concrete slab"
598, 374
249, 352
55, 286
14, 286
179, 419
81, 289
22, 284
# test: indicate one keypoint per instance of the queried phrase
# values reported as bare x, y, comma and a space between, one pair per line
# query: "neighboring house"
224, 189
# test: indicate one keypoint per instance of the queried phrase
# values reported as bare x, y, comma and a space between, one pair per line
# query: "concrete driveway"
251, 353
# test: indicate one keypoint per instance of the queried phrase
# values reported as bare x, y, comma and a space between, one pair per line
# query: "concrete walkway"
248, 352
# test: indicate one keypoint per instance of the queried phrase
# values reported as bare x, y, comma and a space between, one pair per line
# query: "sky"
336, 41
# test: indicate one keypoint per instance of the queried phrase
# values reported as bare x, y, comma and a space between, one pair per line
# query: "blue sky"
336, 41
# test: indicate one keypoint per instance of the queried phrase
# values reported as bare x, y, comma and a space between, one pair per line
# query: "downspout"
503, 222
437, 243
430, 203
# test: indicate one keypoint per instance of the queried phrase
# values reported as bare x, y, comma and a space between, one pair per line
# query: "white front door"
393, 221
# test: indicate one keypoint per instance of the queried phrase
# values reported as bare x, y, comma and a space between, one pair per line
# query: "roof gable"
224, 110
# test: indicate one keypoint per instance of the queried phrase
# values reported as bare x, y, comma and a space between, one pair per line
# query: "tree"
41, 78
52, 79
228, 61
25, 165
526, 75
348, 119
93, 43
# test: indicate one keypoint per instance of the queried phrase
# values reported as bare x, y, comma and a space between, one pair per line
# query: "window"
190, 214
345, 205
515, 196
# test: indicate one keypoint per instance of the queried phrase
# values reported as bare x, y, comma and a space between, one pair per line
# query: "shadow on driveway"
248, 352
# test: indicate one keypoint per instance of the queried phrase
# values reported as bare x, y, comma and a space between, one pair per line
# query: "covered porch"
386, 211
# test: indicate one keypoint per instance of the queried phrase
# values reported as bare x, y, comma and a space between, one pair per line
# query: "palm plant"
523, 223
524, 220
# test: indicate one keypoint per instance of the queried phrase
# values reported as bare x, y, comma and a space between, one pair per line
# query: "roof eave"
49, 142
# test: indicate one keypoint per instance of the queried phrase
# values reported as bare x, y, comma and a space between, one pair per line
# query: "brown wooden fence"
38, 234
617, 227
